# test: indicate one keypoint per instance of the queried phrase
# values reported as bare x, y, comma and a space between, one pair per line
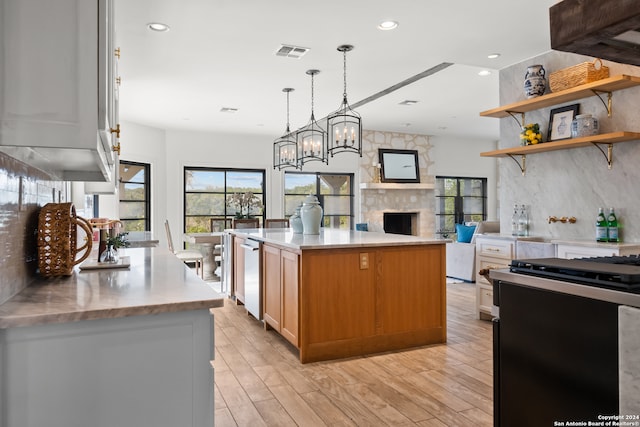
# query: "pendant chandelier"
345, 125
312, 138
285, 149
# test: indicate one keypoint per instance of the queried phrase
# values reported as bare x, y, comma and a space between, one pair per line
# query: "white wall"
170, 151
145, 144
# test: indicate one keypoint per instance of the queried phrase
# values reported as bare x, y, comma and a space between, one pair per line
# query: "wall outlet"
364, 261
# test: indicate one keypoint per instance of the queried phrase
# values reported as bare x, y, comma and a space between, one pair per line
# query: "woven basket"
577, 75
58, 239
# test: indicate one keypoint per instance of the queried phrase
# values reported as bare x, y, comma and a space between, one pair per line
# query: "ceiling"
221, 54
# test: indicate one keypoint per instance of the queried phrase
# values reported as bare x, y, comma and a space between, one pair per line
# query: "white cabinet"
150, 370
56, 108
491, 253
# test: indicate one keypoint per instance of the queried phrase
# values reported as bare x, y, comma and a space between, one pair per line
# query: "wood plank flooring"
259, 380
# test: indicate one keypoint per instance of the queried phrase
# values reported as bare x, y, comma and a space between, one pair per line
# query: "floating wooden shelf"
607, 85
605, 138
395, 186
595, 140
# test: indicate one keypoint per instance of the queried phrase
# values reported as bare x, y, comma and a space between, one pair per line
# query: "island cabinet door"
238, 269
280, 278
289, 273
271, 294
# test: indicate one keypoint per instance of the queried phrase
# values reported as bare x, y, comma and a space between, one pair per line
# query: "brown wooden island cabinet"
280, 291
346, 293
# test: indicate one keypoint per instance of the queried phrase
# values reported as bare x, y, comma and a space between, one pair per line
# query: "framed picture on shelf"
399, 165
560, 122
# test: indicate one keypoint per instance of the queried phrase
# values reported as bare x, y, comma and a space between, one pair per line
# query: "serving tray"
123, 262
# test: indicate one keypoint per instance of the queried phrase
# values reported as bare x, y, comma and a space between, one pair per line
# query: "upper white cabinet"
57, 86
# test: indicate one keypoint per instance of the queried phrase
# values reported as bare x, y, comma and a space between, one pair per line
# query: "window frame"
147, 192
459, 216
225, 192
321, 197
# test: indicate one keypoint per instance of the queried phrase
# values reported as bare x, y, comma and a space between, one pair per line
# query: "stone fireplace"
416, 199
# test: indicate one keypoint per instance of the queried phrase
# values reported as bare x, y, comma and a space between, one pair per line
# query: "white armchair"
461, 257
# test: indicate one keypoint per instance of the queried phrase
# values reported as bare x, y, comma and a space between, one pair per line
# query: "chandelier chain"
312, 74
288, 111
344, 56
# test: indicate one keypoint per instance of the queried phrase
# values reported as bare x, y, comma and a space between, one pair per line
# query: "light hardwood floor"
259, 380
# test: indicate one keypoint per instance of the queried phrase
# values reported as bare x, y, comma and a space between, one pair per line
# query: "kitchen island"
345, 293
105, 347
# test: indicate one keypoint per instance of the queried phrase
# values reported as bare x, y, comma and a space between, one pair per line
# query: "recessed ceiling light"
228, 110
158, 26
408, 102
484, 73
387, 25
493, 55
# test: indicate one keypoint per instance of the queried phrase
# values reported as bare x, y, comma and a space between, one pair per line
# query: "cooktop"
617, 272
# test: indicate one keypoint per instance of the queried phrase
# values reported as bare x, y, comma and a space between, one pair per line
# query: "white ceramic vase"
296, 221
311, 214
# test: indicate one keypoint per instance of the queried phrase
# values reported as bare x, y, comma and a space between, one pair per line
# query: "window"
334, 191
459, 200
135, 200
206, 191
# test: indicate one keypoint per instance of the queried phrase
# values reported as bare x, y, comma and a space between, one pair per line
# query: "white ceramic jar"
311, 214
584, 125
296, 221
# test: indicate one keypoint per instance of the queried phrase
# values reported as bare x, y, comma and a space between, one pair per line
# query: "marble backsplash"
374, 203
573, 182
23, 190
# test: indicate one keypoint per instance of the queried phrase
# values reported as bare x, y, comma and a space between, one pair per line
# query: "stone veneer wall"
373, 203
23, 190
572, 182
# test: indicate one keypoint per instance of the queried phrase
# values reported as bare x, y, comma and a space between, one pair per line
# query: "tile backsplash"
23, 190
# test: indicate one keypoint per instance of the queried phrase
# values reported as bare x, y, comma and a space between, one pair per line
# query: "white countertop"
502, 236
594, 244
332, 238
157, 281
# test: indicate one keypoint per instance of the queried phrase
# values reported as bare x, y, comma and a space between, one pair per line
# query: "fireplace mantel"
395, 186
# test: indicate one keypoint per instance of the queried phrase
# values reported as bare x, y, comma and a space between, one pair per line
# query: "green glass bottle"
601, 227
612, 226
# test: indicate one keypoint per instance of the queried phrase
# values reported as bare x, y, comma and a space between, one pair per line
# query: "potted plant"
244, 204
113, 244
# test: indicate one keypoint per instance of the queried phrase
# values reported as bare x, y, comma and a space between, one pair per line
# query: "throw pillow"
465, 232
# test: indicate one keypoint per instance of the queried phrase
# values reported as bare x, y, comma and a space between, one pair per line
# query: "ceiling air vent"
291, 51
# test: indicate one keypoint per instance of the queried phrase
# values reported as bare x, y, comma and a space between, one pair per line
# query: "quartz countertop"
141, 239
594, 244
504, 236
331, 238
156, 281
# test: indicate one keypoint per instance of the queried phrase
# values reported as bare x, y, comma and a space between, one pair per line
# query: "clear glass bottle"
612, 226
514, 221
523, 222
601, 227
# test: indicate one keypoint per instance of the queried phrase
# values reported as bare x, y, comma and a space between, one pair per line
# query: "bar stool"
186, 255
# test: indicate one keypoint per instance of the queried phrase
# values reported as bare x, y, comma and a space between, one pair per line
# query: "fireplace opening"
400, 223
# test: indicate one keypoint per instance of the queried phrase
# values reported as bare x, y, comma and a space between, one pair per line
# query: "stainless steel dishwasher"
252, 278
